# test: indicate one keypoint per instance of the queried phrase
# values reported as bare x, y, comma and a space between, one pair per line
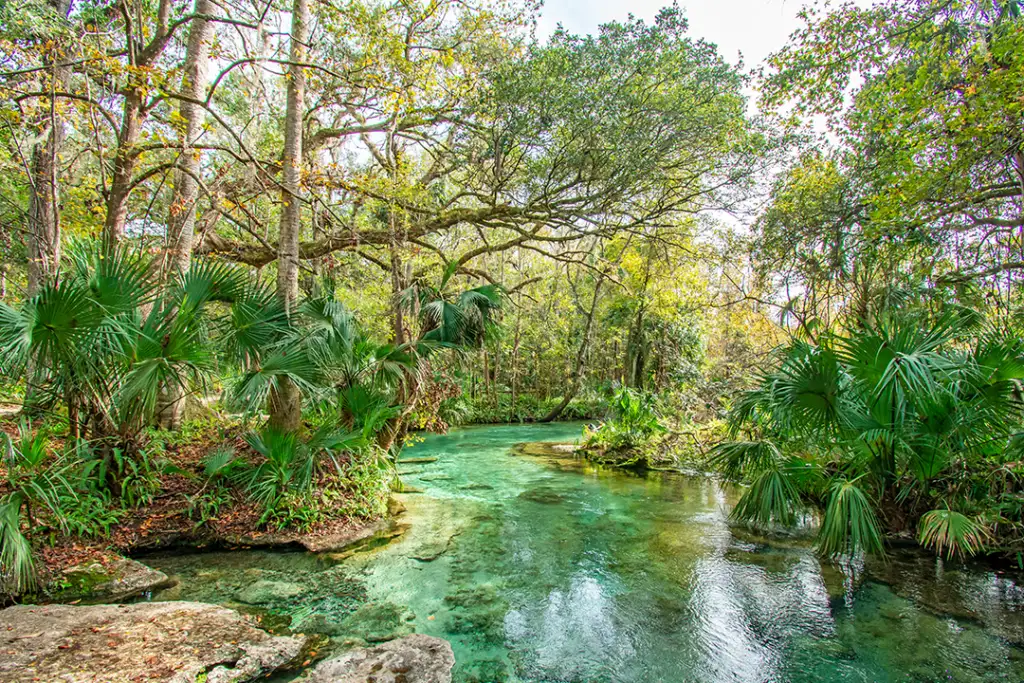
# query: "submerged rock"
175, 642
265, 592
116, 580
545, 449
434, 547
375, 622
413, 659
379, 622
544, 495
476, 487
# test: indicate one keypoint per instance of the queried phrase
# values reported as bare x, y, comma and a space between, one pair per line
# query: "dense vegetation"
248, 249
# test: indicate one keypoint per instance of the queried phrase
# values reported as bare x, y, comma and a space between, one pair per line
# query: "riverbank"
174, 497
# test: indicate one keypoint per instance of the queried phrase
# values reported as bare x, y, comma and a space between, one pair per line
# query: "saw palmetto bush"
869, 427
108, 337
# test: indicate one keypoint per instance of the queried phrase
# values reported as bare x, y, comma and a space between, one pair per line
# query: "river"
544, 569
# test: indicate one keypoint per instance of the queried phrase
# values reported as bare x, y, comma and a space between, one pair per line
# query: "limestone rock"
413, 659
333, 543
173, 642
116, 580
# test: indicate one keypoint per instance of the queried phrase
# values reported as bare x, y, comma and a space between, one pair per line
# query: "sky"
755, 28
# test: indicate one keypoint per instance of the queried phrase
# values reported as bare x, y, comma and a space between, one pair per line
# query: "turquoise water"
540, 568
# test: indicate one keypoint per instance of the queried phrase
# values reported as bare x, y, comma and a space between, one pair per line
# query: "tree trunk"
285, 401
43, 207
397, 285
43, 234
581, 354
132, 117
181, 220
124, 166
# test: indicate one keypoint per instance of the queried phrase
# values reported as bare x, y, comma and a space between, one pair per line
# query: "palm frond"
849, 525
951, 533
220, 462
771, 499
17, 564
736, 459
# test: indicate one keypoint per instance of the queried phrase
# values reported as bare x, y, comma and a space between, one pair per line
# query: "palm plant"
453, 320
32, 481
112, 344
288, 463
363, 375
860, 421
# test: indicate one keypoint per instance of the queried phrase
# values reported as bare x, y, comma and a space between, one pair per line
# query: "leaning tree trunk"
181, 221
285, 401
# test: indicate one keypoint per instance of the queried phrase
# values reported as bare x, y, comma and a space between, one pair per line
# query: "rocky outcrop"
413, 659
110, 581
341, 535
337, 542
175, 642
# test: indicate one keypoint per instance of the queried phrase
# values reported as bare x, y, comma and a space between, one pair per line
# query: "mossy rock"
484, 671
117, 579
477, 611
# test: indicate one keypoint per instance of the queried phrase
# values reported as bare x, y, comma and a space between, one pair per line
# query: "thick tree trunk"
124, 166
181, 221
285, 401
44, 221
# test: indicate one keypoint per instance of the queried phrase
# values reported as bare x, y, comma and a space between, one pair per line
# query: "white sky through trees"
753, 28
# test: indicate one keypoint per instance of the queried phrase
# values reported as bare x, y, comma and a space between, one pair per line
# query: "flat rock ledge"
412, 659
172, 642
113, 581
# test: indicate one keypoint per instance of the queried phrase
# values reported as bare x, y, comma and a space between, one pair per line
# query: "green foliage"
849, 524
462, 410
880, 413
635, 420
17, 565
282, 480
97, 354
33, 483
918, 191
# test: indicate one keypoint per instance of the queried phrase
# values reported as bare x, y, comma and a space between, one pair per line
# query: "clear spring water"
543, 569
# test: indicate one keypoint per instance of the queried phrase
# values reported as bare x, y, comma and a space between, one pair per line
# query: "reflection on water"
539, 569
